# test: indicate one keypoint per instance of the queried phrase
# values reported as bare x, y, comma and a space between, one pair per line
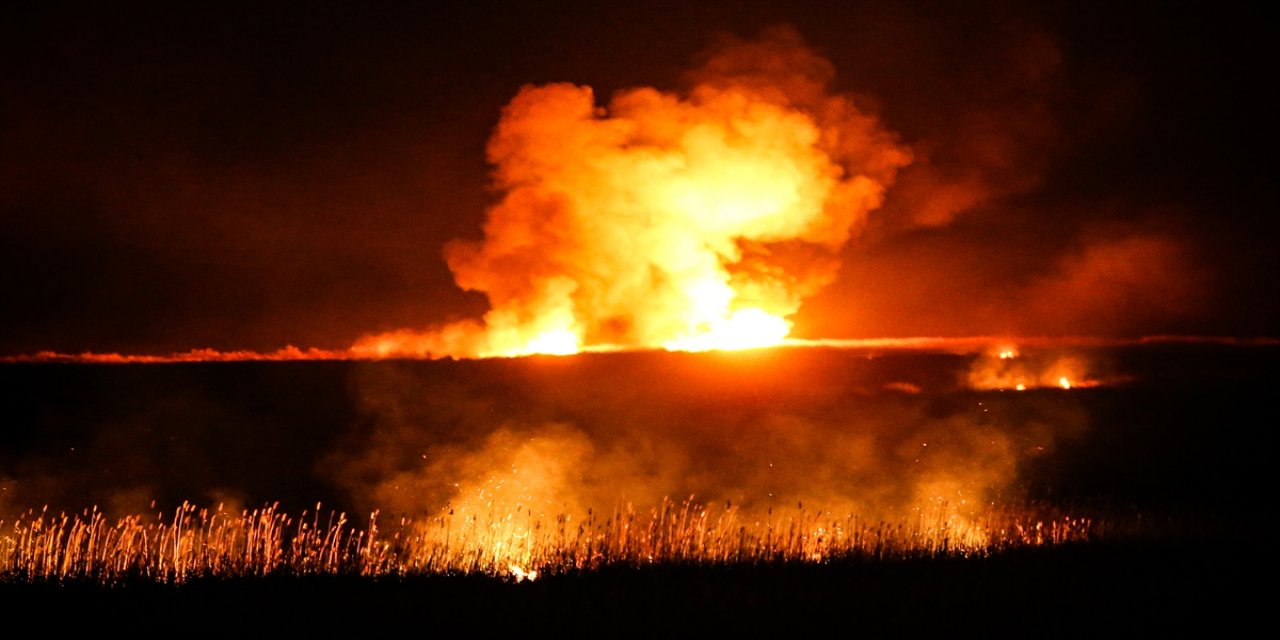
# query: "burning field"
731, 338
715, 469
524, 468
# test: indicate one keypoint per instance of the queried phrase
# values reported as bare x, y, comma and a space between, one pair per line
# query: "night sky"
246, 176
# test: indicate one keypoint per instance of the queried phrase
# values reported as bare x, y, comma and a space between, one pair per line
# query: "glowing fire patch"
520, 574
745, 329
557, 342
1003, 367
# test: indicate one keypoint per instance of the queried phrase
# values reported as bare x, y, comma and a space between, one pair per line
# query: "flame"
202, 543
1002, 367
521, 574
688, 220
565, 342
558, 342
745, 329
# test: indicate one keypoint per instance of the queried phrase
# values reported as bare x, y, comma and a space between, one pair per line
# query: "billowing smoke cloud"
529, 443
1120, 279
688, 220
995, 141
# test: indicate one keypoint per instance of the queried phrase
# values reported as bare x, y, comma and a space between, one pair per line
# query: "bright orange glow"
691, 220
1002, 367
556, 342
520, 574
745, 329
413, 344
223, 543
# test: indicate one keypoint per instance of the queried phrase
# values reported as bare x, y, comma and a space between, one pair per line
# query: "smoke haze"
248, 179
666, 219
565, 439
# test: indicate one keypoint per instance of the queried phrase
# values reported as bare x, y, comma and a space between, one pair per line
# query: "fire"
745, 329
197, 542
556, 342
690, 220
521, 574
767, 329
1002, 367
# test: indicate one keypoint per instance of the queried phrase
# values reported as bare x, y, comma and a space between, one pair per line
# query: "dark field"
1171, 451
1103, 590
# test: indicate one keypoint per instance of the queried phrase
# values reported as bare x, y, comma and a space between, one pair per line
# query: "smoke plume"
513, 445
690, 220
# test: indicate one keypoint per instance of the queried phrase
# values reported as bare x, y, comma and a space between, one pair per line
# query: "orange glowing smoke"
1004, 367
689, 220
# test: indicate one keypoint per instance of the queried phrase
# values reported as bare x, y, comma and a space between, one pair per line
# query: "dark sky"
260, 174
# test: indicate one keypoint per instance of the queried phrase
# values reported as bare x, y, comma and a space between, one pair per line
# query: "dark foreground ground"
1151, 589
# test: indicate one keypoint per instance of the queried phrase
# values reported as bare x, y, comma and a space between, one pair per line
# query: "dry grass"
199, 542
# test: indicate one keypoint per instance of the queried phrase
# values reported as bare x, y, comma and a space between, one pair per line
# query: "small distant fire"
1003, 367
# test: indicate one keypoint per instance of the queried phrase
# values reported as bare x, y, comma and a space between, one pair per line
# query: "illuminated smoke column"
691, 220
496, 454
